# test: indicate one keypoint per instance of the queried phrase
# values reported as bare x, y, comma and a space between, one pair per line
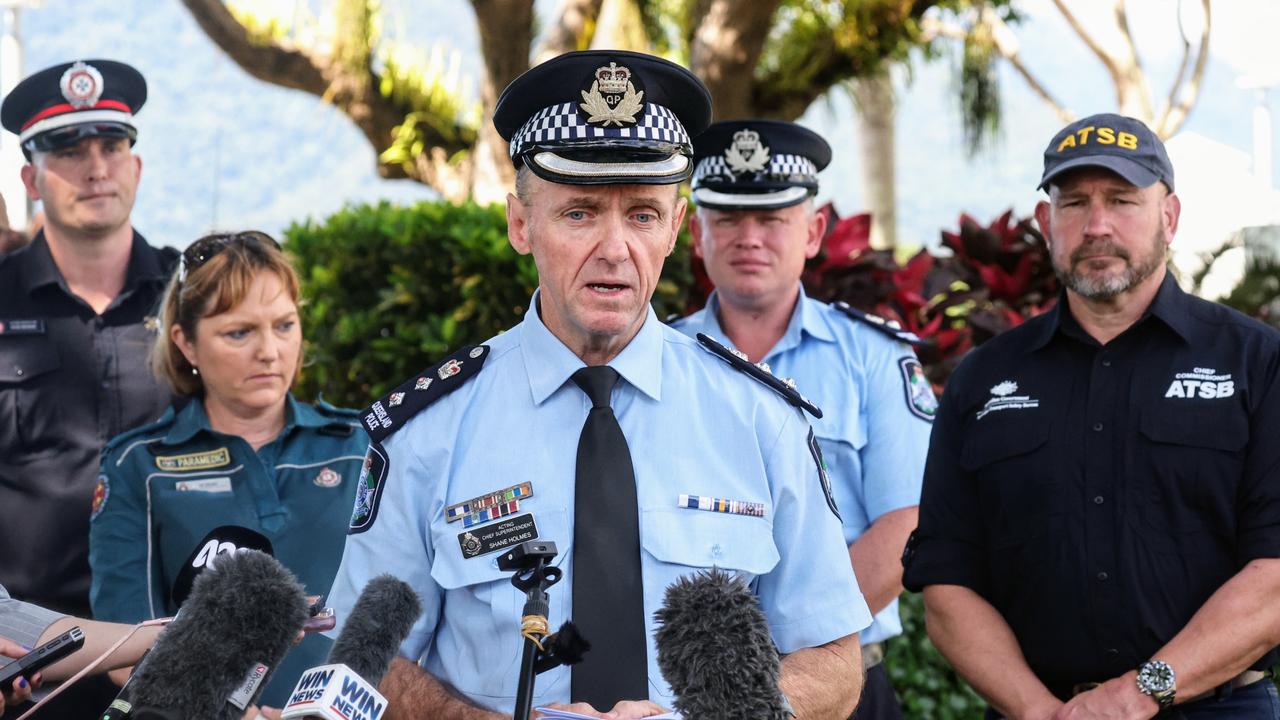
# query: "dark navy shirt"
70, 380
1097, 495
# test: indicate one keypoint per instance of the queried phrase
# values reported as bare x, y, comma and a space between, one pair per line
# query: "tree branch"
574, 21
1007, 46
267, 62
1107, 59
1183, 97
727, 43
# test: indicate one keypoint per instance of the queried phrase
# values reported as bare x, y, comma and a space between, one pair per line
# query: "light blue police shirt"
873, 438
694, 425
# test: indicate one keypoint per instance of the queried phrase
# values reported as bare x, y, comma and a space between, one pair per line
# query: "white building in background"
1221, 196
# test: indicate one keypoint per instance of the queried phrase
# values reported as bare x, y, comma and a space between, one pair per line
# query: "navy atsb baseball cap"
1120, 144
757, 164
604, 116
61, 105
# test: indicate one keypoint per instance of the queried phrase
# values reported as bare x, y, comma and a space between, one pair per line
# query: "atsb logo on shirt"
1203, 383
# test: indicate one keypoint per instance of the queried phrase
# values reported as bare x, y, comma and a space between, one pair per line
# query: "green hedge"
391, 289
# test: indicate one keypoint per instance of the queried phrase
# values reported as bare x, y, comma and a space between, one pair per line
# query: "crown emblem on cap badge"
612, 97
81, 85
746, 153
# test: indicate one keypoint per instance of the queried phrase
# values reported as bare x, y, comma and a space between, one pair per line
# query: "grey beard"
1110, 286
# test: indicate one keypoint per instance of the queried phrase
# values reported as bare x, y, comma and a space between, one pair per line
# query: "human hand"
262, 713
20, 692
1115, 699
623, 710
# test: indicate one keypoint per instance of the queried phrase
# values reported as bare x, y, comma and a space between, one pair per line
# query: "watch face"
1155, 676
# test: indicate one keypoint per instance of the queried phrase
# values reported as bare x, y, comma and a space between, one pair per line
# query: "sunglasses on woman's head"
206, 248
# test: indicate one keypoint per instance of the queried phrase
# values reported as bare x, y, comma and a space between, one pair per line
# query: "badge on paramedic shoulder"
920, 398
747, 153
373, 478
100, 494
81, 85
613, 97
822, 474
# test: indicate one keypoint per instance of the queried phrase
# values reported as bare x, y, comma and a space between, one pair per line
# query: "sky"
222, 150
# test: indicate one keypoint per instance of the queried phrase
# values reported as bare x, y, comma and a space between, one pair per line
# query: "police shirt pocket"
1013, 477
30, 416
485, 609
1188, 467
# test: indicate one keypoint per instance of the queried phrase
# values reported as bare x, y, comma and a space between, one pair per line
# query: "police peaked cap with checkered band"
601, 117
757, 164
64, 104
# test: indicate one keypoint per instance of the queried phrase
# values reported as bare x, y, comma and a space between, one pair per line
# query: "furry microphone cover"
715, 650
380, 620
244, 611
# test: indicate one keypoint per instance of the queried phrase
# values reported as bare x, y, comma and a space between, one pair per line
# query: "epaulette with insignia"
760, 371
387, 415
342, 425
888, 327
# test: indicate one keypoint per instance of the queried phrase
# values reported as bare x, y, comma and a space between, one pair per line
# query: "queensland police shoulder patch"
920, 398
823, 477
397, 407
888, 327
760, 372
373, 478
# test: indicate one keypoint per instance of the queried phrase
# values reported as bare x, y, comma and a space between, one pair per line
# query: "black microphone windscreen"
220, 541
243, 614
372, 632
715, 650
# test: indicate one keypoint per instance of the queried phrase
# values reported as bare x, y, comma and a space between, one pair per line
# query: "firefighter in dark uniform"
77, 321
1100, 520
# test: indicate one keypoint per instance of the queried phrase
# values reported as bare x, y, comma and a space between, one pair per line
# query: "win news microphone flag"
715, 650
347, 688
241, 618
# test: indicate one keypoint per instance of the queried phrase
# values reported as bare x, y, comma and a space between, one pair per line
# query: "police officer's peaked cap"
60, 106
604, 116
757, 165
1123, 145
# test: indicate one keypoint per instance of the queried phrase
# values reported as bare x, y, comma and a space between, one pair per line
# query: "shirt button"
1106, 363
716, 550
1097, 427
105, 384
1102, 576
1097, 500
1112, 652
493, 563
18, 371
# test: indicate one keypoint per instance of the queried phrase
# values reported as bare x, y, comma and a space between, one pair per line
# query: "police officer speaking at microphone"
754, 227
645, 455
1100, 521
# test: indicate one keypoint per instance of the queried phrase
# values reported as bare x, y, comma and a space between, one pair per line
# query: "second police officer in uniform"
640, 452
754, 227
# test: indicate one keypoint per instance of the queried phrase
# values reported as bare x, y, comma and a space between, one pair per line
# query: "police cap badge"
604, 117
757, 164
64, 104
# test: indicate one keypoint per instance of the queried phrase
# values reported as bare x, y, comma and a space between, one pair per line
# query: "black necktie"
608, 596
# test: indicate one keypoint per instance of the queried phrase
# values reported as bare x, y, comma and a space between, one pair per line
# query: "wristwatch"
1155, 678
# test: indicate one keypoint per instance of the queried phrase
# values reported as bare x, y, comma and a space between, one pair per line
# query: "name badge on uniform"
721, 505
195, 461
490, 506
22, 327
208, 485
482, 541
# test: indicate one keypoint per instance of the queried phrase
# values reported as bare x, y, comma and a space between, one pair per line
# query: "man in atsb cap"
754, 227
643, 454
1098, 527
77, 310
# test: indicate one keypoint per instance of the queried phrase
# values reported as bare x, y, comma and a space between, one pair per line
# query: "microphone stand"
533, 575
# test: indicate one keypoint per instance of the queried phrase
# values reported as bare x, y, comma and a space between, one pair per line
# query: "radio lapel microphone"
347, 688
220, 541
715, 650
241, 618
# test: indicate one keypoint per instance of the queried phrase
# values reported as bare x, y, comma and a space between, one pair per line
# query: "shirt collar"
144, 265
1169, 306
549, 362
193, 419
806, 319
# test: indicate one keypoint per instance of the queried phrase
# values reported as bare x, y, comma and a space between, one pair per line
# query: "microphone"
222, 540
715, 650
347, 688
241, 618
